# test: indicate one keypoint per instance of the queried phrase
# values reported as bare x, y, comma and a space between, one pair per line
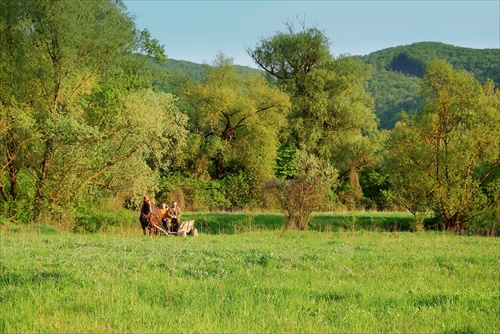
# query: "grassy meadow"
248, 276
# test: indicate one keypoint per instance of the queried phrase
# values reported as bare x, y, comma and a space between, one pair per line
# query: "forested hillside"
397, 72
412, 59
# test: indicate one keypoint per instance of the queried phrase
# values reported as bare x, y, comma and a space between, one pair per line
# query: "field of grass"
249, 279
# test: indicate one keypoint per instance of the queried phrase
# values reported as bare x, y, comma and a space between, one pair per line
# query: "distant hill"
411, 59
170, 75
396, 78
398, 71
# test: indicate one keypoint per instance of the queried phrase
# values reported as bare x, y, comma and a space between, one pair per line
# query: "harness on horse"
146, 216
150, 222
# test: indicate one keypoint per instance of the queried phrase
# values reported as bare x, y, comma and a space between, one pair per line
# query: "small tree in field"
307, 192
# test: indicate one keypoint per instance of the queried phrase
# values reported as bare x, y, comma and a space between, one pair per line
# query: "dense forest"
93, 122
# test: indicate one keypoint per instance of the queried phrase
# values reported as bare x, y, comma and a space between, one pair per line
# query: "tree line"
83, 127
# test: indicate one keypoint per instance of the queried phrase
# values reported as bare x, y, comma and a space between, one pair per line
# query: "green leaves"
442, 158
237, 119
331, 114
290, 55
77, 105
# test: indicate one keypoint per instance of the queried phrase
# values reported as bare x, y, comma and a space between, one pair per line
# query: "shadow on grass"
234, 223
376, 221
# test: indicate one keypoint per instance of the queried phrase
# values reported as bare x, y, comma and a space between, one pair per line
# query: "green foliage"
93, 220
331, 112
482, 63
307, 192
91, 121
251, 221
235, 191
442, 159
121, 154
376, 193
290, 56
21, 208
193, 194
393, 93
171, 75
235, 121
393, 88
286, 162
243, 190
80, 116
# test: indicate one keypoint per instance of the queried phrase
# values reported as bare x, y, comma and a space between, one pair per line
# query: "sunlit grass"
257, 281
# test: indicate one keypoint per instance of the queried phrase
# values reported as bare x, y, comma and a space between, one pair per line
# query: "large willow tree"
331, 112
74, 106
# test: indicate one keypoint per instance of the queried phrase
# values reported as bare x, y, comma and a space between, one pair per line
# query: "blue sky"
197, 30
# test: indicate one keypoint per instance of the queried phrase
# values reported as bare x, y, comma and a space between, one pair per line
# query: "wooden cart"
185, 228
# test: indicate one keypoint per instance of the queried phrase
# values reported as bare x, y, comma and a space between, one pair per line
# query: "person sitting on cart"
174, 217
164, 216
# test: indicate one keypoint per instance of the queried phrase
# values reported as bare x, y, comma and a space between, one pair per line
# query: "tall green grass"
258, 281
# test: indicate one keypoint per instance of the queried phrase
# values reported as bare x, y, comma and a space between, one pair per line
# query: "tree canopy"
66, 93
235, 120
442, 159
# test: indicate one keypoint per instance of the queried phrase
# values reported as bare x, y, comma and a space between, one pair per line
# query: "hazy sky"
197, 30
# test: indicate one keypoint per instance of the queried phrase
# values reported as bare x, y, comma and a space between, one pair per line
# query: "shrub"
243, 190
193, 194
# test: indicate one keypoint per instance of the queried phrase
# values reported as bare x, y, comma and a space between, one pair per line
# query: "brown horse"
150, 217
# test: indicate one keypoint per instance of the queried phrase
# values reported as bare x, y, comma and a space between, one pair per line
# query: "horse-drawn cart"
150, 219
185, 228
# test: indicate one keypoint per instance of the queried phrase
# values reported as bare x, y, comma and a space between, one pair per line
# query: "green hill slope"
170, 75
397, 73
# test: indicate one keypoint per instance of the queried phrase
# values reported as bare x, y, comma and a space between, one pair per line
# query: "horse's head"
147, 204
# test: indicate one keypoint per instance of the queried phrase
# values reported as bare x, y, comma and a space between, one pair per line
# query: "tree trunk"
13, 180
11, 157
355, 185
453, 223
39, 197
291, 222
219, 166
2, 190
